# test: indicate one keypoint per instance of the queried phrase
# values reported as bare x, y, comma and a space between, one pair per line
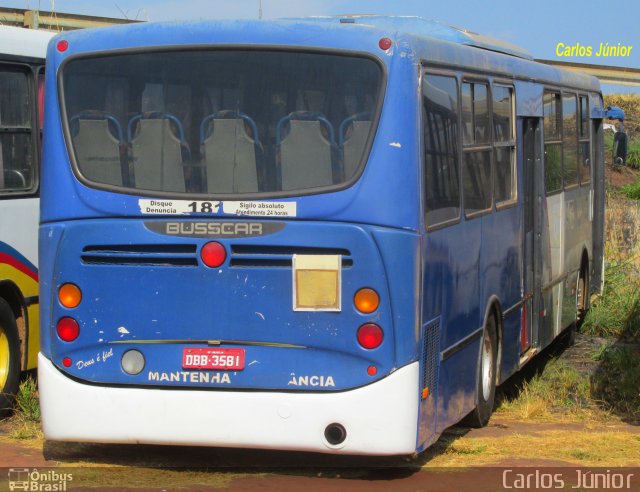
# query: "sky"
536, 26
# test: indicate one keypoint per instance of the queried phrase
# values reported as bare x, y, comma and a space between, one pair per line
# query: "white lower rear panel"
380, 419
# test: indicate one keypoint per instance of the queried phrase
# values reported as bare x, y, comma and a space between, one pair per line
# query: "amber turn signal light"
69, 295
366, 300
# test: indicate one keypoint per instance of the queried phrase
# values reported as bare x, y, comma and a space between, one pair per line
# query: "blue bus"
328, 234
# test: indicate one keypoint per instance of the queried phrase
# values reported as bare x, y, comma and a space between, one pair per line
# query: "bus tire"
486, 375
582, 295
9, 358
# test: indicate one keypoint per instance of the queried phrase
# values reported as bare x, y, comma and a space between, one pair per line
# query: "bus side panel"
400, 254
451, 287
49, 239
597, 179
552, 265
577, 232
500, 277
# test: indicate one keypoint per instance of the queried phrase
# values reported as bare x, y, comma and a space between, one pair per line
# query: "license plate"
219, 359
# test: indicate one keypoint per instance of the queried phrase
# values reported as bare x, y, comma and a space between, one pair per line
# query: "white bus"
22, 53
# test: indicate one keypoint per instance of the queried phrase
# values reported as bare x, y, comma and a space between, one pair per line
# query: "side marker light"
385, 44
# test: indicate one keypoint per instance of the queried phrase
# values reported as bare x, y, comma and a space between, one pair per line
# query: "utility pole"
260, 9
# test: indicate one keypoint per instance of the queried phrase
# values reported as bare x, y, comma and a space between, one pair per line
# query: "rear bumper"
380, 419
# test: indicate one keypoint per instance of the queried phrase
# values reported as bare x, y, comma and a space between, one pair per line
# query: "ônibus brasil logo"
33, 480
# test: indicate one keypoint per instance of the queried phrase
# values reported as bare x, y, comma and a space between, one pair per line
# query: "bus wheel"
9, 358
486, 379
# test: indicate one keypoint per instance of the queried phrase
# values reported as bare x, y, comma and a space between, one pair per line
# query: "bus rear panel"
219, 276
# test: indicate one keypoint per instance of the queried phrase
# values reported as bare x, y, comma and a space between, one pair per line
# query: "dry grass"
559, 394
143, 477
617, 313
622, 232
25, 422
592, 448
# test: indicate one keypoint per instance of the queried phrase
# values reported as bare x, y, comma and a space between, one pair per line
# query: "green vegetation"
633, 150
26, 420
617, 313
616, 382
559, 388
27, 400
631, 191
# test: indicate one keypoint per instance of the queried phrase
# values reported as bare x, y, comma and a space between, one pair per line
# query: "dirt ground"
462, 459
455, 463
615, 178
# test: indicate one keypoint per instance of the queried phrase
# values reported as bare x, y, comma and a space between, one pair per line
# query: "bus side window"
476, 169
16, 145
552, 142
504, 187
569, 140
584, 160
440, 140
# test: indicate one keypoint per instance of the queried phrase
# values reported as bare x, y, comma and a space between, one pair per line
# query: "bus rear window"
221, 122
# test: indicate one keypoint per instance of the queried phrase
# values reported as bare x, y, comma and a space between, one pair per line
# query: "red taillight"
68, 329
63, 45
385, 44
370, 336
213, 254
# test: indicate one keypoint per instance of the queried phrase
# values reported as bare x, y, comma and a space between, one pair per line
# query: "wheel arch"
584, 261
494, 308
585, 271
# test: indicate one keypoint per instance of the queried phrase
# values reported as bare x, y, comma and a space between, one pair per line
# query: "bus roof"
417, 38
428, 28
20, 41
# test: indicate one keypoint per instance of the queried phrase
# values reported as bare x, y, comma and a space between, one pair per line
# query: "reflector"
213, 254
316, 282
132, 362
385, 44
